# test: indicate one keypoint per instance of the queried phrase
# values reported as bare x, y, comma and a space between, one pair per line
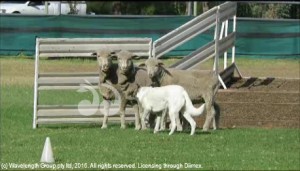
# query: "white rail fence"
220, 45
78, 47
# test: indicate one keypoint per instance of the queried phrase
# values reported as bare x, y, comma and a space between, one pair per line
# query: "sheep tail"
190, 108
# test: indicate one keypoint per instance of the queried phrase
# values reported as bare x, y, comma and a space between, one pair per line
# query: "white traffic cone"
47, 155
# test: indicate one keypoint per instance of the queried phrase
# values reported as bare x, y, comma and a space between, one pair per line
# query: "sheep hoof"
123, 127
137, 127
104, 127
205, 130
155, 132
145, 128
179, 128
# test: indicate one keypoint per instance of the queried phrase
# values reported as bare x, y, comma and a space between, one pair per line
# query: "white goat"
171, 97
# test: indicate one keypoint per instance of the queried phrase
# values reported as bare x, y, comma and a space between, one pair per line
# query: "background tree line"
256, 10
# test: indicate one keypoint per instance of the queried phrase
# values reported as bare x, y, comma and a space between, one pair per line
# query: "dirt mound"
256, 102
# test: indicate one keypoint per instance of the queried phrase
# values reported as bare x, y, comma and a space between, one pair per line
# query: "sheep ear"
160, 62
142, 65
113, 55
135, 56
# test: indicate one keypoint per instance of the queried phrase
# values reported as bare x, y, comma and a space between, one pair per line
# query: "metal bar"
225, 53
185, 26
59, 8
227, 11
150, 48
63, 87
69, 74
233, 48
222, 30
222, 82
181, 39
36, 74
80, 120
216, 62
226, 43
46, 7
95, 40
67, 80
238, 71
189, 8
195, 57
195, 8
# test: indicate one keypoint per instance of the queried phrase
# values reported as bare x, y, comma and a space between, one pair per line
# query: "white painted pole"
222, 31
234, 30
189, 8
195, 8
46, 7
216, 64
225, 53
59, 8
150, 48
36, 75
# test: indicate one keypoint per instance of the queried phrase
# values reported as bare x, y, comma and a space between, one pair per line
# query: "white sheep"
173, 98
198, 84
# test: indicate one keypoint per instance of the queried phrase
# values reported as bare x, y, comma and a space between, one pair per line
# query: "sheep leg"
163, 120
143, 123
191, 121
122, 113
210, 114
216, 119
145, 115
172, 116
158, 120
106, 105
178, 124
137, 117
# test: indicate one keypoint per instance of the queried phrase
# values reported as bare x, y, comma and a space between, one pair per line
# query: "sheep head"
154, 67
125, 60
104, 58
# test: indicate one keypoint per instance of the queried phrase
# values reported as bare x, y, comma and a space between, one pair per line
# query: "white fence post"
195, 8
216, 63
234, 30
225, 53
36, 75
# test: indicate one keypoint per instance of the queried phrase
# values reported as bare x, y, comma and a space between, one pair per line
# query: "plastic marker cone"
47, 156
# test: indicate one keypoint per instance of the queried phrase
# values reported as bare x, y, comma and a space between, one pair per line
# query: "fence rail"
70, 47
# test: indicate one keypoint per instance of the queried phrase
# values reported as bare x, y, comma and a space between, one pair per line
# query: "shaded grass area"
227, 149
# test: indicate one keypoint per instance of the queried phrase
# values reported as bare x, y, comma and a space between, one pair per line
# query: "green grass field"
226, 149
